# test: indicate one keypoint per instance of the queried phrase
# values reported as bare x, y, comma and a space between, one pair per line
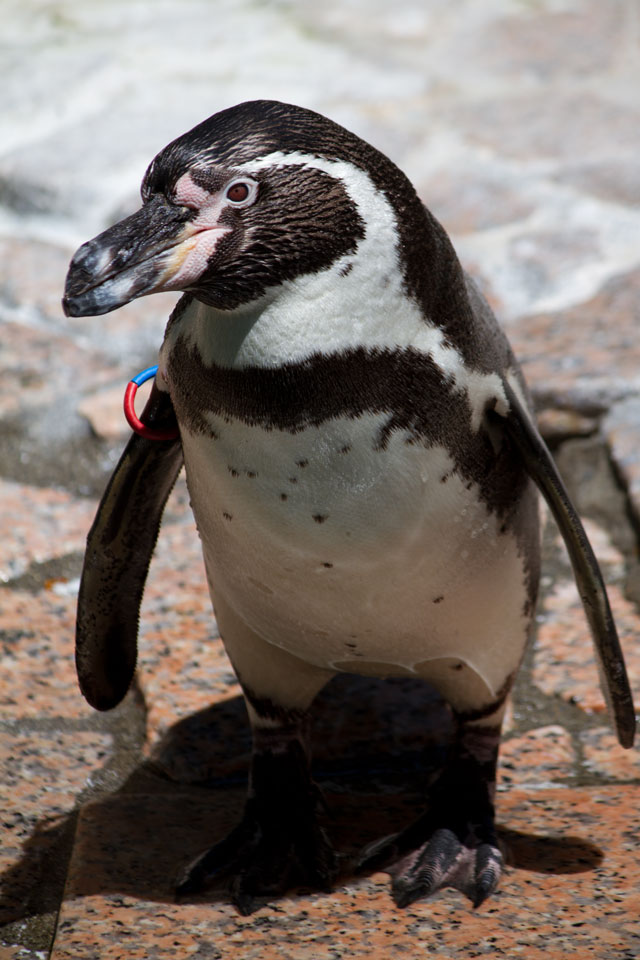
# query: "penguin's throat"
315, 314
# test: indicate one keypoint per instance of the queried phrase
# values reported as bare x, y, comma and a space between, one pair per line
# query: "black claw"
243, 893
489, 866
406, 898
428, 874
406, 890
485, 886
454, 843
437, 859
244, 903
428, 869
481, 896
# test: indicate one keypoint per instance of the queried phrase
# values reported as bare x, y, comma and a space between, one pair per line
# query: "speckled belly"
346, 554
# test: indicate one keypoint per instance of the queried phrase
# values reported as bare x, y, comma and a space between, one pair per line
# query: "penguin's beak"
158, 248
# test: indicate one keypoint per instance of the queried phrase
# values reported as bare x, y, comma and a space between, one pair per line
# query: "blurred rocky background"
519, 123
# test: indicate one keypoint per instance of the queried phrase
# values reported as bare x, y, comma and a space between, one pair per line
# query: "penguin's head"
251, 198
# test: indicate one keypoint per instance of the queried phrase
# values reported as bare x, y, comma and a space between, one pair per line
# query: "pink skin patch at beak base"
189, 258
186, 193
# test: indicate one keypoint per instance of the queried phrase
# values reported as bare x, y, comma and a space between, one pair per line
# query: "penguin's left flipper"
540, 466
119, 548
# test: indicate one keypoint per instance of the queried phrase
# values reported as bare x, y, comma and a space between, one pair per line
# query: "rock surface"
520, 125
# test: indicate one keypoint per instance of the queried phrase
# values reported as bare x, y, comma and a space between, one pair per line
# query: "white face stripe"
334, 309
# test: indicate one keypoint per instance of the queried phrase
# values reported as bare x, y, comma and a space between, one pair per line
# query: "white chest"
345, 554
324, 541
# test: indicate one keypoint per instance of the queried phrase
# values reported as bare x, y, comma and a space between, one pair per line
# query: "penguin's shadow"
377, 746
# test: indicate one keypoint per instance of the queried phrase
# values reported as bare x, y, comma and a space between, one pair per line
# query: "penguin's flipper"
119, 548
541, 468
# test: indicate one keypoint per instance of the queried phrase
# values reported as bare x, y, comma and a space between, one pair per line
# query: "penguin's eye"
238, 192
241, 192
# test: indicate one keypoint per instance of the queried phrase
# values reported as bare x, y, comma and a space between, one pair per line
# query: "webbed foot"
448, 857
277, 845
454, 844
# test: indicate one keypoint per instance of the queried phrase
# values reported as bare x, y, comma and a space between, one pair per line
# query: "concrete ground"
518, 120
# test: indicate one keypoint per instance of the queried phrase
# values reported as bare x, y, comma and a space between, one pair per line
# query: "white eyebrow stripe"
410, 327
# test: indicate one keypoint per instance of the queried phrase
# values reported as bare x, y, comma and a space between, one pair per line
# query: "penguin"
363, 467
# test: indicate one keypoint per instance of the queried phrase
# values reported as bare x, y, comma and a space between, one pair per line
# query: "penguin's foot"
279, 843
454, 844
265, 855
460, 856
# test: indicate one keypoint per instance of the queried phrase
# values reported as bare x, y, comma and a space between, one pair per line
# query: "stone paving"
519, 122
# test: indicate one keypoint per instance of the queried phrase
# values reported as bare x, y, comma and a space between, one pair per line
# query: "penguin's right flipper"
119, 548
540, 466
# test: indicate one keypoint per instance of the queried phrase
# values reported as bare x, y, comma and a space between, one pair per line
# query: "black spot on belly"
251, 474
404, 386
233, 471
438, 599
327, 565
302, 463
283, 496
346, 448
227, 516
348, 267
293, 479
320, 517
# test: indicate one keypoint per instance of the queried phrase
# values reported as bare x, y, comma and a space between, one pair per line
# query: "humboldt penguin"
362, 464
